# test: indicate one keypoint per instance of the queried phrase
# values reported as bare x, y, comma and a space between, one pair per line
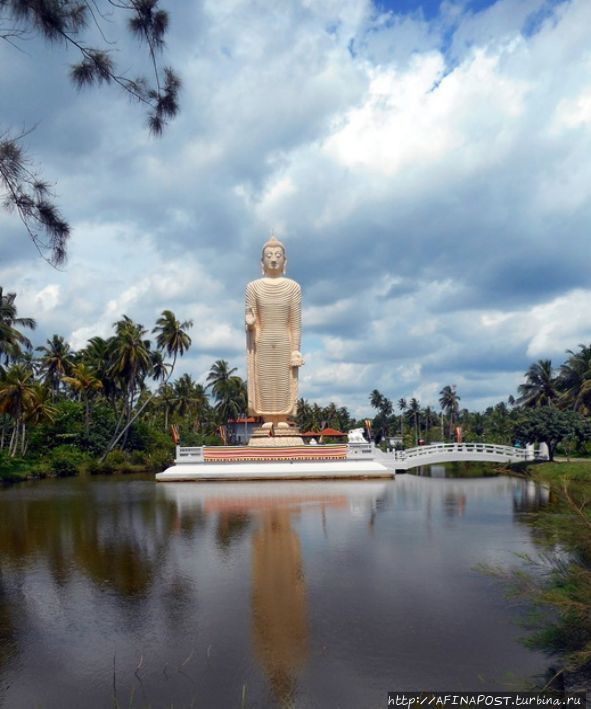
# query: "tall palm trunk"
86, 414
14, 439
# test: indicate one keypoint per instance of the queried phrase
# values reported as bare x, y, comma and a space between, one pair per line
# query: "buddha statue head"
273, 259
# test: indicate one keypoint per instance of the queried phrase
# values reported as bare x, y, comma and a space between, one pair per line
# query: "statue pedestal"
280, 435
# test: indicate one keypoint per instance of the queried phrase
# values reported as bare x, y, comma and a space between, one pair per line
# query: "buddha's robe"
276, 334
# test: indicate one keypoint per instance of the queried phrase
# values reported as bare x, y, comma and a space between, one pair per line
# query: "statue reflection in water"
280, 633
280, 626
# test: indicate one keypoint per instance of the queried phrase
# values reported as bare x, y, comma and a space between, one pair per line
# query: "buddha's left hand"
296, 359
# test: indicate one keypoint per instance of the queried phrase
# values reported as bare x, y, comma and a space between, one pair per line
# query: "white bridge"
454, 452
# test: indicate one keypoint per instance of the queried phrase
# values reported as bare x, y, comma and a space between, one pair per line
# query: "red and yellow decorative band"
247, 454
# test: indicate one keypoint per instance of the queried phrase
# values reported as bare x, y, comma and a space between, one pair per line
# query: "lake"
303, 594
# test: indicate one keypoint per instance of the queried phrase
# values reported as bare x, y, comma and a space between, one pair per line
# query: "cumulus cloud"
428, 172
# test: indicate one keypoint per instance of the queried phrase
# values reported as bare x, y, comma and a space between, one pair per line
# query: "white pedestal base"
283, 470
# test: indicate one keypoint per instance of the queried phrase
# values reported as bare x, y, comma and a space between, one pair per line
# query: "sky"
427, 165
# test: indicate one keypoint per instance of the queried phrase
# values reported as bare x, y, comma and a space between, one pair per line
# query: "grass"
556, 472
558, 585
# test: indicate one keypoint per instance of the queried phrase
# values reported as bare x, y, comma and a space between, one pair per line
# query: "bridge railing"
453, 449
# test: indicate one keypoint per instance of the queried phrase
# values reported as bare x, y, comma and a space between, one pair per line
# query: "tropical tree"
63, 22
385, 408
449, 402
228, 390
402, 405
56, 362
84, 382
11, 338
190, 399
574, 380
549, 425
130, 364
167, 399
540, 386
304, 415
172, 337
413, 413
429, 418
344, 419
97, 355
376, 399
219, 378
18, 398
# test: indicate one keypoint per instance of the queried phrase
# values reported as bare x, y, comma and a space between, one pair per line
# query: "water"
312, 594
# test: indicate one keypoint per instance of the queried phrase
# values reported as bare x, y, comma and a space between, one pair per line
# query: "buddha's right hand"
250, 318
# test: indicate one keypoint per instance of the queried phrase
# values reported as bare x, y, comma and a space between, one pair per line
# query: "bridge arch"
455, 453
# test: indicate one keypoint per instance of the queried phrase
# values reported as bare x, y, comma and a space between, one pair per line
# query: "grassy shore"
556, 472
66, 461
559, 587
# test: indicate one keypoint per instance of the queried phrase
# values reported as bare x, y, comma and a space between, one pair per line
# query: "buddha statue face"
273, 260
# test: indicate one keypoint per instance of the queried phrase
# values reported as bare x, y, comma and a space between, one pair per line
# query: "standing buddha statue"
273, 335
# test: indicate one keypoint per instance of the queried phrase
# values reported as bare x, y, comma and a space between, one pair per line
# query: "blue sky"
430, 8
428, 171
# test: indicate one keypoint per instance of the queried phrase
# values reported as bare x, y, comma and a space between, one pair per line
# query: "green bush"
158, 460
65, 460
138, 457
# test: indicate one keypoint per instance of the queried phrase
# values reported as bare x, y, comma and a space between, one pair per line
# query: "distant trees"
117, 371
552, 426
313, 417
12, 340
449, 402
64, 23
55, 362
540, 386
574, 380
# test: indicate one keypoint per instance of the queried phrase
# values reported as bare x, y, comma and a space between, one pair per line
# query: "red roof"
250, 419
311, 434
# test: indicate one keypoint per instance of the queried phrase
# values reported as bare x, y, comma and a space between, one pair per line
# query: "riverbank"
578, 470
67, 461
560, 588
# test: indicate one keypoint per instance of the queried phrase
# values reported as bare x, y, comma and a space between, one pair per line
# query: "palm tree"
402, 406
130, 364
229, 391
428, 419
18, 398
540, 386
218, 377
172, 337
413, 413
11, 339
234, 402
160, 368
376, 399
574, 380
344, 419
304, 415
84, 382
55, 362
97, 355
449, 402
167, 398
